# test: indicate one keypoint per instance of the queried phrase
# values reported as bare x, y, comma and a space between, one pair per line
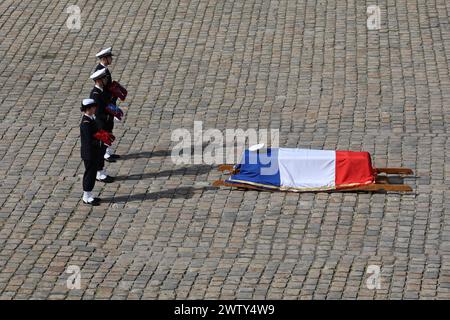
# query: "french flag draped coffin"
304, 169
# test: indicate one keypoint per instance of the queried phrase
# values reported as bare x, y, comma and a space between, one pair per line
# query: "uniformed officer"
91, 149
102, 117
106, 56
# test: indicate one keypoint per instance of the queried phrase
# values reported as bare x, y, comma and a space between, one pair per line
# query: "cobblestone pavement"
309, 68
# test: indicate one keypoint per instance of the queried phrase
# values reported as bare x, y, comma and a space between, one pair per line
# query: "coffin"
303, 169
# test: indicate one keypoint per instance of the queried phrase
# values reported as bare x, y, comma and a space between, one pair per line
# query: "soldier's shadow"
176, 193
157, 153
192, 170
146, 154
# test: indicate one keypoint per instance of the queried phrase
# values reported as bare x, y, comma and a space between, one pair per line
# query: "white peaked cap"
87, 102
256, 147
104, 52
98, 74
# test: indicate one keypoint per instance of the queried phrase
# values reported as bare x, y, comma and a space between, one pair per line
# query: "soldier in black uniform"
105, 57
91, 149
102, 117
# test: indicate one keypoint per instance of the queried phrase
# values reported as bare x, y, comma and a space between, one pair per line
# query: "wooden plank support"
370, 187
226, 167
218, 183
394, 170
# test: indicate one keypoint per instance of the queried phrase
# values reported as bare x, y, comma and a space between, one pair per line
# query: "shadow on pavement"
192, 170
146, 154
157, 153
176, 193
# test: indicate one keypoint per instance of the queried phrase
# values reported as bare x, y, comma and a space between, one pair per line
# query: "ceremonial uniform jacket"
104, 120
109, 77
90, 147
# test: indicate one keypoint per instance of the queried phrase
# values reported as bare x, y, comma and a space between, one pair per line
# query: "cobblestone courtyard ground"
309, 68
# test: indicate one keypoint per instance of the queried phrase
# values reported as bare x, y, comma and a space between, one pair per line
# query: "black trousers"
101, 158
109, 123
89, 174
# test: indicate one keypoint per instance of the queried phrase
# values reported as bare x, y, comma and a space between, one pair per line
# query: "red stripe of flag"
353, 168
